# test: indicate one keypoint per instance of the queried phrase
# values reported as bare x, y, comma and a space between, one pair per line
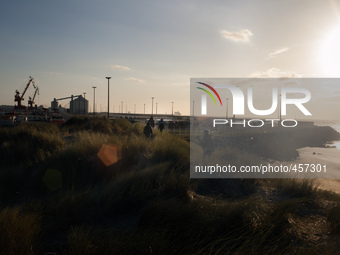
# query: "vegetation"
96, 186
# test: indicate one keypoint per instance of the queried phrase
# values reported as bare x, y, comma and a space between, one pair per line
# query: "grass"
18, 231
61, 198
333, 217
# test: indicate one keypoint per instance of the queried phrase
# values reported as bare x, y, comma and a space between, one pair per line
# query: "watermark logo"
239, 99
204, 97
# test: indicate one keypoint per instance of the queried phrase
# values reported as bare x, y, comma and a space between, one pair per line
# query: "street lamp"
108, 97
280, 109
144, 108
172, 108
122, 107
135, 109
156, 108
152, 106
84, 103
94, 99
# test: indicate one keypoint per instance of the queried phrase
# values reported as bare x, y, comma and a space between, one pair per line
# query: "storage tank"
54, 104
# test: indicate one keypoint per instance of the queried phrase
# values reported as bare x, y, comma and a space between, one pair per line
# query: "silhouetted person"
161, 125
207, 143
152, 122
148, 131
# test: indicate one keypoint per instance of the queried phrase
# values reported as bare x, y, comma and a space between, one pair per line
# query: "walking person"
152, 122
161, 125
148, 131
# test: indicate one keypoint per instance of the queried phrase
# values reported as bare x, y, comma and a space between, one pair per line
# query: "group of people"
148, 129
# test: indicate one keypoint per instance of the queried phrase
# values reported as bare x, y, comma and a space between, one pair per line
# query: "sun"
330, 54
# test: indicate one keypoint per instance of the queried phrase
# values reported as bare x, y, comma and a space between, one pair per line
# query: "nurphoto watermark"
255, 128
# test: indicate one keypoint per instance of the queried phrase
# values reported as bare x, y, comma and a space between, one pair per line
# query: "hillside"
95, 186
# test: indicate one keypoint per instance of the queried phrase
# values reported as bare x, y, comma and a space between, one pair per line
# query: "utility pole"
94, 100
108, 97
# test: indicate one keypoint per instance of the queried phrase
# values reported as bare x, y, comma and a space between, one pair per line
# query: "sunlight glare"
330, 54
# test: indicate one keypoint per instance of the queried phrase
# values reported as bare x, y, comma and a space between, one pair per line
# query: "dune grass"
18, 232
66, 200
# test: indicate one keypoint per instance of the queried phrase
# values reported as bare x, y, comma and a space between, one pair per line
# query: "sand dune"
324, 156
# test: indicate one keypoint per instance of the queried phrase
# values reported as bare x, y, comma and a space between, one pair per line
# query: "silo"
80, 106
54, 104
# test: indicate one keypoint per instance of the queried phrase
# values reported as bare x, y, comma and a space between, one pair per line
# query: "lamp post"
144, 108
152, 106
122, 107
94, 99
108, 97
172, 108
280, 109
156, 108
84, 103
135, 109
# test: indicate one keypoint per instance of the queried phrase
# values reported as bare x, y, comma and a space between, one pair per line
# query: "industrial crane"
18, 98
31, 100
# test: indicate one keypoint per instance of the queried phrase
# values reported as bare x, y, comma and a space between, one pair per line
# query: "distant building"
62, 109
54, 104
79, 106
6, 108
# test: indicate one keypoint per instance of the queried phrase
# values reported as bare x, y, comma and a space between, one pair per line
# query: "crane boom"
17, 97
67, 97
31, 100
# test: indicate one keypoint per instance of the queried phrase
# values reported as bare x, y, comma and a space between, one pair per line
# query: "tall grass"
333, 217
28, 144
66, 200
18, 232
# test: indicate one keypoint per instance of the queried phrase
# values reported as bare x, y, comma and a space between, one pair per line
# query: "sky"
152, 48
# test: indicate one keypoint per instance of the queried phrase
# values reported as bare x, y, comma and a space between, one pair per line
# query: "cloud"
121, 67
277, 52
135, 79
240, 36
275, 73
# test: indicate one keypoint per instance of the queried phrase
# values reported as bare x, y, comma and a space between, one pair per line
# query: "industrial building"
78, 104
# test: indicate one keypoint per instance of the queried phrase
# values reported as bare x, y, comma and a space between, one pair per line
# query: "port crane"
18, 98
31, 100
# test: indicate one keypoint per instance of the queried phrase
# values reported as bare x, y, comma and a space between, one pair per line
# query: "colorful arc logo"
212, 89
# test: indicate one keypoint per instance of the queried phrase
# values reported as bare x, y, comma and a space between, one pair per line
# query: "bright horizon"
153, 48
